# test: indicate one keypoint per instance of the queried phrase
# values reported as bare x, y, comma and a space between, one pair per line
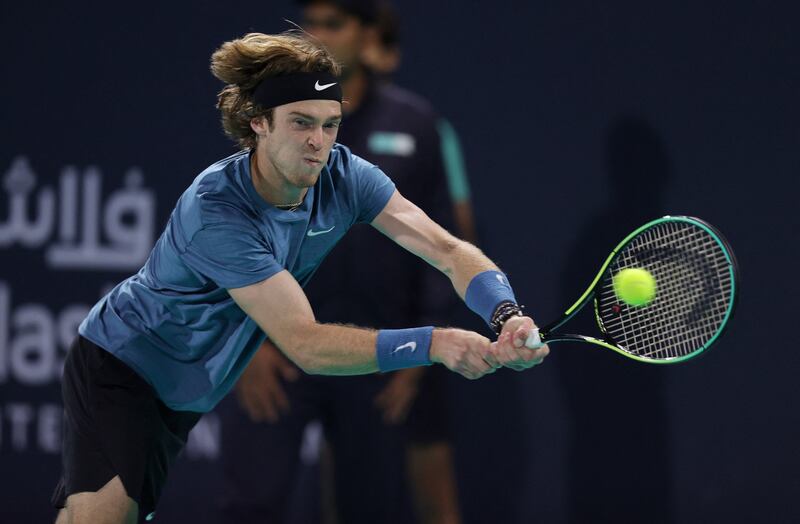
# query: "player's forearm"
478, 281
411, 228
461, 262
332, 349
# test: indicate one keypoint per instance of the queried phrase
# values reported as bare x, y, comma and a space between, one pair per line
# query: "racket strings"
696, 286
661, 337
694, 289
664, 331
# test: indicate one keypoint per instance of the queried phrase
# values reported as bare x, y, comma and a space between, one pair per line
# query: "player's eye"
332, 125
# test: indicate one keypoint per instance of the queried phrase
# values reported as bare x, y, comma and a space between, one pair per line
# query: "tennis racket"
696, 285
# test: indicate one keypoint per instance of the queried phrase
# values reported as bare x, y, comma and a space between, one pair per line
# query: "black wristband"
502, 313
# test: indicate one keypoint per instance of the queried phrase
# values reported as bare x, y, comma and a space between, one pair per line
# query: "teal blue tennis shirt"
174, 322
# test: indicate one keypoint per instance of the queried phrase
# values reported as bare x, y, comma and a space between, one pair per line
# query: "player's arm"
411, 228
476, 279
280, 308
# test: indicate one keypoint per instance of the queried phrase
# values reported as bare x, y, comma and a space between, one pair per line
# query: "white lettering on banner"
26, 422
30, 353
19, 416
131, 242
19, 181
39, 428
127, 218
49, 430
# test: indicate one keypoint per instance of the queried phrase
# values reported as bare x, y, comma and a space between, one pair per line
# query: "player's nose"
315, 139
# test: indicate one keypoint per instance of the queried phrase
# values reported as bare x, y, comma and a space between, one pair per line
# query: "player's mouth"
312, 161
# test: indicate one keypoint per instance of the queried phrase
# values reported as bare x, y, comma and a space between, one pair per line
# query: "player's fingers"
487, 355
513, 358
520, 336
516, 366
478, 365
534, 357
505, 350
466, 370
523, 357
491, 356
529, 359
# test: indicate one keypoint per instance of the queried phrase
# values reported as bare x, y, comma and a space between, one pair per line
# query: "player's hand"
510, 350
260, 390
461, 351
399, 394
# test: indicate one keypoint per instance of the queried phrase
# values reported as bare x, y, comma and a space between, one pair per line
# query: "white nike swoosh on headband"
322, 87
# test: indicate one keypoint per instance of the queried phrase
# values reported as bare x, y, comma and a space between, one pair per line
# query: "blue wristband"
486, 291
404, 348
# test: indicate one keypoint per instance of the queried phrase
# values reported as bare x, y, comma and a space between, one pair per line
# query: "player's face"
342, 33
301, 139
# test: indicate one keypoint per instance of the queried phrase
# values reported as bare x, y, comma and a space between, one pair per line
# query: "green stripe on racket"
696, 279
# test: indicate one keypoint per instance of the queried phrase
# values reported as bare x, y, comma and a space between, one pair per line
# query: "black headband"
276, 91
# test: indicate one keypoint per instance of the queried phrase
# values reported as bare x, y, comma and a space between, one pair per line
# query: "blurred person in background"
382, 54
606, 441
382, 430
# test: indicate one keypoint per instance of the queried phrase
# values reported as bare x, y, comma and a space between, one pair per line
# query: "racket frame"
546, 334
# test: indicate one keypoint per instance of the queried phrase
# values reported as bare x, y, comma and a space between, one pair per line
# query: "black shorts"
115, 425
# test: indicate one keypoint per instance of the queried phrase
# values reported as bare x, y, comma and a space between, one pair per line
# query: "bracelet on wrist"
502, 313
486, 292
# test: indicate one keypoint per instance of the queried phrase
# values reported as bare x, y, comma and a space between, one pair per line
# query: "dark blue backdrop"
547, 98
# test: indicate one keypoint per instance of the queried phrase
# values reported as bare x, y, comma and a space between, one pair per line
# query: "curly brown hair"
243, 63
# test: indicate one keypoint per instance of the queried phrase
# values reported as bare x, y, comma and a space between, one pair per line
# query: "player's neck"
271, 185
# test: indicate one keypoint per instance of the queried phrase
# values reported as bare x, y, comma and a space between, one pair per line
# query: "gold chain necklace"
289, 207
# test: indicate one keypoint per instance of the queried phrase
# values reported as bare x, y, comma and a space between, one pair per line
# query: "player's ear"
259, 125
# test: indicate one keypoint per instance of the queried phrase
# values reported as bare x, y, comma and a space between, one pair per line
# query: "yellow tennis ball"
635, 286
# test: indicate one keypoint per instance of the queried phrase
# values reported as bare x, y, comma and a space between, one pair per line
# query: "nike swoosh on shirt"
315, 233
412, 345
323, 87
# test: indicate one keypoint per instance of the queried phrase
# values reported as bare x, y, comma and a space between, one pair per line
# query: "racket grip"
534, 341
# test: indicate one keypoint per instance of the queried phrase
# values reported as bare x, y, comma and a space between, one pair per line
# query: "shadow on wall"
618, 463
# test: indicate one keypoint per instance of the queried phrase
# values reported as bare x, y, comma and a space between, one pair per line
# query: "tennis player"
168, 343
386, 434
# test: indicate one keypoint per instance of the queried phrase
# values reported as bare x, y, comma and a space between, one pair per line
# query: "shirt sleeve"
373, 189
230, 256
